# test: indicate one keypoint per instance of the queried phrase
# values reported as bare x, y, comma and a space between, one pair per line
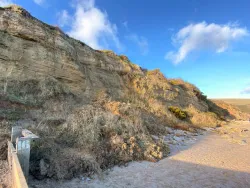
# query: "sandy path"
218, 159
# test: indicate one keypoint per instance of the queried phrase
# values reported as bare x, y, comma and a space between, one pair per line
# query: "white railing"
19, 156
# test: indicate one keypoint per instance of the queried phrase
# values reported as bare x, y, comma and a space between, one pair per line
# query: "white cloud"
64, 18
246, 91
91, 25
39, 2
203, 36
4, 3
140, 41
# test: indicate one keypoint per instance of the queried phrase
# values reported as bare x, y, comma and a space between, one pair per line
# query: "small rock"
165, 138
173, 142
244, 141
180, 132
178, 139
156, 138
117, 139
169, 130
209, 128
177, 134
244, 130
85, 179
43, 167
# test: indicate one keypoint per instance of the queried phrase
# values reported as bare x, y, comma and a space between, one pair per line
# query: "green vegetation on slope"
178, 112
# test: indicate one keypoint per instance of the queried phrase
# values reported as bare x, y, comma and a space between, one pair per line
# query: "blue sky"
204, 42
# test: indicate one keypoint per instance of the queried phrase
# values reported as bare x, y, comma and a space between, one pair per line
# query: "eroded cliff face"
32, 50
92, 109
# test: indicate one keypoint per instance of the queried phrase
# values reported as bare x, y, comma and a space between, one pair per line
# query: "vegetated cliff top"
92, 109
239, 108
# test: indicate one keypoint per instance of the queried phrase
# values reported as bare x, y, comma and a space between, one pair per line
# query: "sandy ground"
4, 174
219, 158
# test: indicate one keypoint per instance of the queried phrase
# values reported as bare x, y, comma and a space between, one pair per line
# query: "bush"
180, 114
200, 95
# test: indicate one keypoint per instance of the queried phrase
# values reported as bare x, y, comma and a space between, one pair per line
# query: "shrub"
200, 95
178, 112
124, 58
174, 82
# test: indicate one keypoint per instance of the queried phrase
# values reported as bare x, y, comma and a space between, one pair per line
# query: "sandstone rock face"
31, 49
92, 109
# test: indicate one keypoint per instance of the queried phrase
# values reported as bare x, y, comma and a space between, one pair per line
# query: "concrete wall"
17, 176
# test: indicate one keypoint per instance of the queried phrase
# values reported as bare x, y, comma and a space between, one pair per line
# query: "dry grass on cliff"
79, 138
242, 104
240, 109
202, 119
92, 132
